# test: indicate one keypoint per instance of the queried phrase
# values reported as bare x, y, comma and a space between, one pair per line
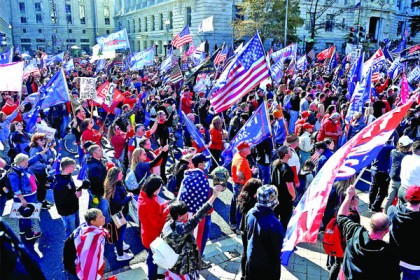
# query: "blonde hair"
216, 123
135, 158
20, 157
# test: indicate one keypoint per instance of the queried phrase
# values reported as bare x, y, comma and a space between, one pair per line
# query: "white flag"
11, 76
206, 25
105, 54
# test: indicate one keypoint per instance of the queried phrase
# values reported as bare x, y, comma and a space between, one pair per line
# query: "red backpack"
333, 241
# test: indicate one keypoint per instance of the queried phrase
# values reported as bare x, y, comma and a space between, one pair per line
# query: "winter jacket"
40, 166
22, 181
404, 233
365, 258
65, 197
216, 139
96, 173
265, 238
182, 241
396, 159
152, 217
119, 200
5, 127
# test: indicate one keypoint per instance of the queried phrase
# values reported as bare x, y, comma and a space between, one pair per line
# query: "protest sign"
48, 131
31, 211
87, 88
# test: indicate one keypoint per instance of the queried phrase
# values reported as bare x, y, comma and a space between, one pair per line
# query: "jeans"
71, 222
120, 242
243, 257
151, 266
401, 194
392, 193
233, 215
206, 233
304, 156
378, 190
409, 274
264, 173
293, 118
25, 225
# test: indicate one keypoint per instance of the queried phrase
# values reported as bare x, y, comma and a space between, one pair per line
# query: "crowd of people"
307, 111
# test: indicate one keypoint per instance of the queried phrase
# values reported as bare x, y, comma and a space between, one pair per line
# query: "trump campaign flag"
356, 154
376, 62
11, 76
6, 57
254, 131
360, 96
140, 59
302, 63
114, 41
414, 75
395, 68
195, 134
355, 74
289, 51
247, 70
56, 90
276, 70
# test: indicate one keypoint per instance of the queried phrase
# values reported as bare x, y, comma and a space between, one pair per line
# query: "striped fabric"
90, 242
245, 72
176, 74
221, 56
182, 38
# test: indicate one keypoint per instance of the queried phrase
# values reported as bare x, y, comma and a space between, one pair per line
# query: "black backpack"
69, 254
4, 182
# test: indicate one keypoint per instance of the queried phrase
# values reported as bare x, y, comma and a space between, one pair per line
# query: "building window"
139, 25
22, 8
70, 31
40, 40
329, 23
39, 30
106, 16
399, 29
22, 19
145, 24
37, 7
171, 20
161, 22
24, 30
128, 26
153, 23
84, 31
68, 14
25, 40
343, 23
82, 14
188, 16
107, 32
134, 26
346, 2
38, 18
71, 40
84, 40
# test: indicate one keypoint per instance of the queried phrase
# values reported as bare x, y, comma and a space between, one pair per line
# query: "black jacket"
404, 233
65, 197
96, 172
365, 258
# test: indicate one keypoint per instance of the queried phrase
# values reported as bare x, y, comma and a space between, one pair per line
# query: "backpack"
69, 254
333, 240
4, 182
131, 181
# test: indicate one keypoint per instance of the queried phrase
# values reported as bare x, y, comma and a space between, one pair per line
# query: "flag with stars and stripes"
246, 71
221, 56
311, 54
66, 55
175, 74
182, 38
376, 62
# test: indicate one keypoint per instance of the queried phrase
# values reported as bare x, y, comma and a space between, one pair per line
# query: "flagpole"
268, 117
68, 93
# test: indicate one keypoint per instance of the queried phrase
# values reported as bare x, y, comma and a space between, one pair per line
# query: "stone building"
56, 25
156, 22
5, 29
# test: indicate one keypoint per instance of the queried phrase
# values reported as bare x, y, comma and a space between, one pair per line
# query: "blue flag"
195, 134
100, 65
402, 45
6, 57
395, 68
55, 169
69, 65
414, 75
333, 62
56, 58
56, 90
31, 123
141, 59
360, 96
355, 74
255, 130
343, 67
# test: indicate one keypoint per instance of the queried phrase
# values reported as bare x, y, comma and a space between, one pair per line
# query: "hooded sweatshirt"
404, 234
366, 258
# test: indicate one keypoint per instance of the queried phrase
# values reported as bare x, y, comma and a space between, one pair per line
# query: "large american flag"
221, 56
182, 38
30, 68
311, 54
245, 72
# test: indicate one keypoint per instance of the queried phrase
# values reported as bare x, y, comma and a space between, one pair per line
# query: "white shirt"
305, 143
410, 171
294, 161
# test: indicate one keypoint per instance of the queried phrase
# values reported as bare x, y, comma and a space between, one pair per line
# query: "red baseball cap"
307, 126
243, 145
413, 193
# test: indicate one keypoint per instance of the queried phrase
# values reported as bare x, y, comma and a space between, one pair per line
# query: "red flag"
327, 53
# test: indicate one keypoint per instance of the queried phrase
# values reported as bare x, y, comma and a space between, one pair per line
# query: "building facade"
5, 29
380, 19
57, 25
156, 22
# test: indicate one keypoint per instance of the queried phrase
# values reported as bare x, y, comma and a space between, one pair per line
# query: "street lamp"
156, 48
167, 24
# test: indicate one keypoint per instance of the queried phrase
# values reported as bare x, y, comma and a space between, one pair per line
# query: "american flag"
221, 56
175, 74
30, 68
247, 70
311, 54
66, 55
182, 38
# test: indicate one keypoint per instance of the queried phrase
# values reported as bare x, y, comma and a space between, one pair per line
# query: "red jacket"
186, 104
92, 135
216, 139
152, 217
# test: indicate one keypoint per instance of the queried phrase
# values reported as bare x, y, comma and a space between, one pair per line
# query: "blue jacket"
5, 127
265, 238
46, 159
119, 200
279, 132
19, 180
96, 173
